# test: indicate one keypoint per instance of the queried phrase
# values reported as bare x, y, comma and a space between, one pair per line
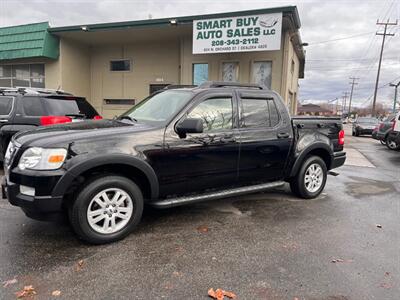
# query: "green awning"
28, 41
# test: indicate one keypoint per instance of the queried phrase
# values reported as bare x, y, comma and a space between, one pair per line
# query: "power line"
344, 59
384, 34
382, 86
339, 39
374, 37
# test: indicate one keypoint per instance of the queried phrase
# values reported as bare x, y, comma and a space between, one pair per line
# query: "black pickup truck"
178, 146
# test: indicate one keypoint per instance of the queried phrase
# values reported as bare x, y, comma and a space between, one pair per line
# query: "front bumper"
45, 208
364, 131
44, 205
338, 159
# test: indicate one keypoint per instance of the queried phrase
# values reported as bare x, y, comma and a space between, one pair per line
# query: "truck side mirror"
190, 125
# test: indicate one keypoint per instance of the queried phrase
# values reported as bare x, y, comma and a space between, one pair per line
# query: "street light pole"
395, 95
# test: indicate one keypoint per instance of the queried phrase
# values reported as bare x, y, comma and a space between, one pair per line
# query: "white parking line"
356, 158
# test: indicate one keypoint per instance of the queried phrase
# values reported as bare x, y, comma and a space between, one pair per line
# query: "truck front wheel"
310, 179
107, 209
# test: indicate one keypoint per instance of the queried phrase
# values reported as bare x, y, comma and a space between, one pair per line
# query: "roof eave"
286, 10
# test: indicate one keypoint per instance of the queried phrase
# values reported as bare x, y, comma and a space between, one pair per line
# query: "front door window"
216, 114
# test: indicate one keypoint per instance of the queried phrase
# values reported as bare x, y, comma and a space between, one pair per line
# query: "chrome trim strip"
216, 195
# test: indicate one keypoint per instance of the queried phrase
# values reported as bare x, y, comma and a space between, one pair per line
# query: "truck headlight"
36, 158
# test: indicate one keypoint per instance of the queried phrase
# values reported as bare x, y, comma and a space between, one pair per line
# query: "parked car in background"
383, 130
375, 132
364, 125
24, 109
394, 135
178, 146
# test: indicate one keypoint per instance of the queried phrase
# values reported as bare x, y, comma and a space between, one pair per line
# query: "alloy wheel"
110, 211
313, 178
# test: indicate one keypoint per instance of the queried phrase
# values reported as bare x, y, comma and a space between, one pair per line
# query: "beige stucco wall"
74, 68
52, 74
152, 63
290, 77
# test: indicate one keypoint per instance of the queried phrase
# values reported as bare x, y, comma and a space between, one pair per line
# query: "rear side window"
69, 106
33, 106
258, 113
6, 104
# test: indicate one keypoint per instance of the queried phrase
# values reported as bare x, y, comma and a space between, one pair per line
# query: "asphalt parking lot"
343, 245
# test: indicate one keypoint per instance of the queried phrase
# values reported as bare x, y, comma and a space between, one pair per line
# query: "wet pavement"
343, 245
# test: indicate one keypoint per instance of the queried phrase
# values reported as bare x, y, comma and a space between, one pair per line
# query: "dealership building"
115, 65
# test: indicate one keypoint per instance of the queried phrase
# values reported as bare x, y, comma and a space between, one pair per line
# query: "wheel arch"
318, 149
133, 168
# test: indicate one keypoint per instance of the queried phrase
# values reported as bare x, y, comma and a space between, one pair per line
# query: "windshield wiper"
127, 118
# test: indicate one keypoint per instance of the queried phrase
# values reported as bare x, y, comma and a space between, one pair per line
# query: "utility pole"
395, 95
345, 95
384, 34
337, 104
353, 82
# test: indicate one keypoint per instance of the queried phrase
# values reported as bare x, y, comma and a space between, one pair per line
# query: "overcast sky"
329, 64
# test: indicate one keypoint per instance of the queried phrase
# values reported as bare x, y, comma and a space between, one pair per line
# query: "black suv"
178, 146
24, 109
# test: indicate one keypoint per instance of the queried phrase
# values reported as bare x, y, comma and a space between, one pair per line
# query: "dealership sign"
237, 34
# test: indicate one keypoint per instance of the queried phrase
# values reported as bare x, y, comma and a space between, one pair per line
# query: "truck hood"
69, 132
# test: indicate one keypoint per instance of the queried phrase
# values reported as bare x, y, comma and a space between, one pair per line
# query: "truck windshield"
159, 108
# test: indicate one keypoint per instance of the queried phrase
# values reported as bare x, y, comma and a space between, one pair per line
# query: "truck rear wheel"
392, 145
310, 179
107, 209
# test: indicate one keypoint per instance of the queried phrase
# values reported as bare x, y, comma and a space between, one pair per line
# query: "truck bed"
326, 126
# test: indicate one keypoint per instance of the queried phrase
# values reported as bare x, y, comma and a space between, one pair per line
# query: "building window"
22, 75
200, 73
121, 65
262, 73
230, 71
119, 101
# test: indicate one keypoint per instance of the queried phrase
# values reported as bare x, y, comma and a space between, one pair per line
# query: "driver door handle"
228, 138
283, 135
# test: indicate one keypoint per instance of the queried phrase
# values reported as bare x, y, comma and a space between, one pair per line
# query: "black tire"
357, 133
352, 133
392, 145
297, 184
78, 211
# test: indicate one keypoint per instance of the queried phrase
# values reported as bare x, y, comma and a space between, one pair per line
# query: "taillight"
97, 117
51, 120
341, 137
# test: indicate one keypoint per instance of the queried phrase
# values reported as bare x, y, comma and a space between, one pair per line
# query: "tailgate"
328, 126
